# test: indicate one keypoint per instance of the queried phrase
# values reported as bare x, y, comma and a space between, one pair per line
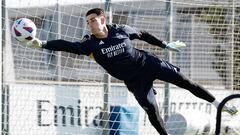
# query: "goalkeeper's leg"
169, 74
194, 88
149, 104
145, 95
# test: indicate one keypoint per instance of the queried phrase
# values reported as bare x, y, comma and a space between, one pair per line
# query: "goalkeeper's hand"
175, 46
35, 43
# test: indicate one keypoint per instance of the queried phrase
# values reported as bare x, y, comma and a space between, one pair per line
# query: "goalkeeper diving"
110, 45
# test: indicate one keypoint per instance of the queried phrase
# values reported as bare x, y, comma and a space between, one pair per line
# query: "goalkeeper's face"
96, 24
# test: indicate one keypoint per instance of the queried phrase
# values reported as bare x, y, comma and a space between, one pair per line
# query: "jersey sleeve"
81, 47
134, 33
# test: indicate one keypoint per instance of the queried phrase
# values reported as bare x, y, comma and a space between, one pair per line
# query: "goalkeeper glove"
175, 46
35, 43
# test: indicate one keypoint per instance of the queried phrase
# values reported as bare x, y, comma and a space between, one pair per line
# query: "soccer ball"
24, 30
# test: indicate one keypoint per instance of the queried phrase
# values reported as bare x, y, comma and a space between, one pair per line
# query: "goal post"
60, 93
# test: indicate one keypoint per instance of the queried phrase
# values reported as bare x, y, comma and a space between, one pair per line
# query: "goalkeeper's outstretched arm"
153, 40
60, 45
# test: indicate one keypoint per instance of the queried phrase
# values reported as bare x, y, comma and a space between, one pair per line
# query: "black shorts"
142, 85
154, 68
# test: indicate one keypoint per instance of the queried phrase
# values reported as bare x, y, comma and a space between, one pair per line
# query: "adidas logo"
101, 42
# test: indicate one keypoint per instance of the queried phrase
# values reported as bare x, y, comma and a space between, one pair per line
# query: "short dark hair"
98, 11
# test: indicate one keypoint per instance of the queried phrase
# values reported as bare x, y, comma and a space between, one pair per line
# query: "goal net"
57, 93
